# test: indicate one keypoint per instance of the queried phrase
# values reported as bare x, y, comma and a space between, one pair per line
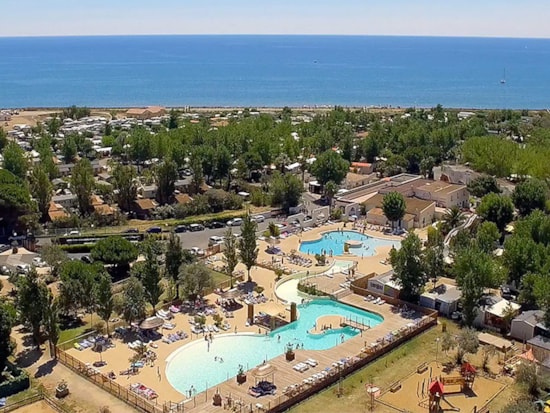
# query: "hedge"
76, 248
18, 382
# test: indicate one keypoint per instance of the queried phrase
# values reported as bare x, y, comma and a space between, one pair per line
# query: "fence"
35, 399
101, 380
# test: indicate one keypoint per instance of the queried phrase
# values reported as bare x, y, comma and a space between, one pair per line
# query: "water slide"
466, 224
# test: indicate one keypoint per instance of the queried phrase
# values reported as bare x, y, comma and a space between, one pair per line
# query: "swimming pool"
198, 364
288, 290
334, 241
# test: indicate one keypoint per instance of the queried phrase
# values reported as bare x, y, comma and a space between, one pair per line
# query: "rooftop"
530, 317
444, 292
440, 187
540, 341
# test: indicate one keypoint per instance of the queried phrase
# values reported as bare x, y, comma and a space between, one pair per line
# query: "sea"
267, 71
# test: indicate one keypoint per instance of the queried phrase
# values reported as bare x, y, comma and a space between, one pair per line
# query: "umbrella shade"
263, 371
151, 323
234, 293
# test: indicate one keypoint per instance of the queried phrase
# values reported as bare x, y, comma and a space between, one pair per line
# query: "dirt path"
39, 407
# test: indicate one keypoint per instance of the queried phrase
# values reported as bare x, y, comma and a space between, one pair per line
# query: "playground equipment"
437, 391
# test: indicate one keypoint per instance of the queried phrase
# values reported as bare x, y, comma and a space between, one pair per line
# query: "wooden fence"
101, 380
54, 404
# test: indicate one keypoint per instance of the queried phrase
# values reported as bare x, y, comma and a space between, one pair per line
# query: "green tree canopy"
41, 188
174, 259
408, 270
31, 302
330, 166
483, 185
166, 175
530, 195
133, 301
15, 161
230, 253
247, 244
194, 279
487, 236
393, 205
83, 183
114, 250
286, 191
496, 208
124, 177
6, 345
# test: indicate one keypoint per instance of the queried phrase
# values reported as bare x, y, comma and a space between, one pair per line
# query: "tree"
51, 322
247, 244
54, 256
496, 208
15, 161
140, 145
522, 255
483, 185
433, 263
530, 195
166, 175
133, 301
41, 189
393, 205
83, 183
527, 377
487, 236
150, 277
198, 174
105, 301
173, 120
230, 253
468, 343
194, 279
408, 271
15, 200
115, 250
453, 218
174, 259
447, 342
286, 191
124, 179
32, 300
474, 271
330, 166
542, 294
330, 190
69, 149
6, 345
523, 405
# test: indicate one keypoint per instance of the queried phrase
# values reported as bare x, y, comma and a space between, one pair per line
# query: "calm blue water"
334, 241
274, 71
194, 364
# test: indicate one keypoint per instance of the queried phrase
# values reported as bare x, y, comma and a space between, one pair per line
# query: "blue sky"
500, 18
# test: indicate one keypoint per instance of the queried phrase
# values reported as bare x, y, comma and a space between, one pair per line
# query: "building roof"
412, 205
540, 341
440, 187
60, 198
183, 199
445, 293
361, 164
529, 317
499, 309
386, 279
104, 209
145, 204
353, 177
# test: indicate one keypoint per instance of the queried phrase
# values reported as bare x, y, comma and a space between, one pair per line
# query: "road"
200, 238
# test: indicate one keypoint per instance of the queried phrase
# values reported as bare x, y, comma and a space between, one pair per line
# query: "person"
278, 338
215, 358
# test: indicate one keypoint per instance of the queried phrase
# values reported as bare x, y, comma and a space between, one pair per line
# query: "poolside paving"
153, 376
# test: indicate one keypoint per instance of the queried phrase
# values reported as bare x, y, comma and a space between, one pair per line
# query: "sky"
493, 18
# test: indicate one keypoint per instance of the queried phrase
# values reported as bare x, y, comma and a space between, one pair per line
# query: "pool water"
194, 364
288, 290
334, 241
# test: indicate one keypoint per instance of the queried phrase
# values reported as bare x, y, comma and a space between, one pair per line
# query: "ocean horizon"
275, 71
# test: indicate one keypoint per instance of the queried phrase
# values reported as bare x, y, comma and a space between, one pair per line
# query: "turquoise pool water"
194, 364
288, 290
334, 241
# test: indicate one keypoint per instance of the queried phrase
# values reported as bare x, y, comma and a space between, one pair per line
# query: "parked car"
196, 227
87, 259
196, 251
214, 240
181, 228
74, 232
216, 224
154, 230
131, 231
258, 218
235, 222
22, 268
38, 262
4, 270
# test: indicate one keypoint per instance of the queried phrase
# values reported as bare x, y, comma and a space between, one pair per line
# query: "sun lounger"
312, 362
301, 367
215, 328
169, 326
380, 302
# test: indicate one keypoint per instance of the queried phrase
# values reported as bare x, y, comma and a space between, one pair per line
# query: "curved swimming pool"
204, 365
334, 241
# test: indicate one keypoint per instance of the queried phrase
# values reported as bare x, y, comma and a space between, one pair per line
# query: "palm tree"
453, 218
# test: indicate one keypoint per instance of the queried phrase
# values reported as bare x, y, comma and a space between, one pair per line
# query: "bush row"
17, 380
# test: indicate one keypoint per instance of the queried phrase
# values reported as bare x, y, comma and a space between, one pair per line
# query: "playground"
435, 388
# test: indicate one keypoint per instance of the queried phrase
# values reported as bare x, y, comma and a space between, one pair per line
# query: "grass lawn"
218, 277
383, 372
69, 334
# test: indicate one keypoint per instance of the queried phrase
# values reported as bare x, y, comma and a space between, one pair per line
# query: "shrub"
15, 380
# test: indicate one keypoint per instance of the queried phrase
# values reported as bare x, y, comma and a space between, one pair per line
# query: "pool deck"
154, 376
